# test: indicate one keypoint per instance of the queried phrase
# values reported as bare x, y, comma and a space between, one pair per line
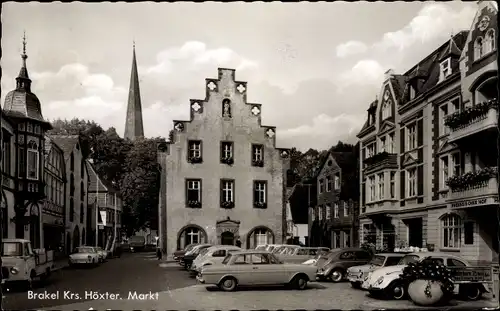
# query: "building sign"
103, 217
474, 202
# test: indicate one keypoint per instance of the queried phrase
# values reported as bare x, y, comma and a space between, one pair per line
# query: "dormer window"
445, 69
386, 109
489, 41
478, 48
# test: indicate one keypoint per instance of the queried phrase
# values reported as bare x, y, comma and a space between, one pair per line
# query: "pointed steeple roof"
451, 50
133, 125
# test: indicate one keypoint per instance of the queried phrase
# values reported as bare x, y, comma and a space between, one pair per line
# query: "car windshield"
203, 251
260, 247
277, 250
85, 250
408, 259
189, 247
12, 249
274, 259
377, 260
137, 239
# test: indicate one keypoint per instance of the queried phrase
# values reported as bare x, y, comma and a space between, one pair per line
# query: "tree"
87, 130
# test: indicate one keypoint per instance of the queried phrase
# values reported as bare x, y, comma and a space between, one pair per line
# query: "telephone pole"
1, 198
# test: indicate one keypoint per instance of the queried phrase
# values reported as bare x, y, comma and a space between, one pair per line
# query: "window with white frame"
445, 71
370, 150
371, 184
393, 185
192, 236
337, 181
445, 171
411, 137
328, 211
478, 48
381, 186
328, 183
489, 41
227, 190
443, 113
33, 158
336, 210
257, 154
193, 190
321, 185
346, 208
226, 150
194, 149
386, 109
390, 143
261, 237
259, 192
451, 231
412, 182
383, 144
320, 212
457, 167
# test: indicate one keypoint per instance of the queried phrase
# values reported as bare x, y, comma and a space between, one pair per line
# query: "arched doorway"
190, 234
227, 238
84, 237
259, 236
76, 237
68, 244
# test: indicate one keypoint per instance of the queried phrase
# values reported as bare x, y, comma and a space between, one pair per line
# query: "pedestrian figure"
158, 250
238, 243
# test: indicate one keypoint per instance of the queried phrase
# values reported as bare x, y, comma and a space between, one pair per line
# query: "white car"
212, 255
84, 255
103, 254
386, 281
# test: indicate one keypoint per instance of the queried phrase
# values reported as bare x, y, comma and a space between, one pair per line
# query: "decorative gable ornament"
270, 133
211, 85
284, 154
241, 88
255, 110
196, 107
386, 95
483, 23
409, 160
179, 127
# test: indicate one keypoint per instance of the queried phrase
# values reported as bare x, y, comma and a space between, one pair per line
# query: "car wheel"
228, 284
356, 285
300, 282
471, 292
337, 275
396, 291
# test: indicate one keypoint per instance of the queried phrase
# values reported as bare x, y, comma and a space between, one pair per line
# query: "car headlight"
379, 280
14, 270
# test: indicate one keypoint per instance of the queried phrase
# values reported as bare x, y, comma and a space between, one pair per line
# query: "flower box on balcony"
470, 115
227, 204
227, 160
260, 205
194, 204
195, 160
258, 163
471, 180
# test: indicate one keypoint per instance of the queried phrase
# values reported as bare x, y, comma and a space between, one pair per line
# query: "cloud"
350, 48
435, 20
366, 71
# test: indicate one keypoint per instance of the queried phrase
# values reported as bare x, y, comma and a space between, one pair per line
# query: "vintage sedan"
357, 274
190, 256
212, 255
285, 249
301, 254
85, 256
180, 253
334, 265
255, 268
386, 281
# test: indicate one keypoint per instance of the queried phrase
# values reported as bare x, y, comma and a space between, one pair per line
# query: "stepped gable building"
23, 129
223, 178
133, 124
428, 150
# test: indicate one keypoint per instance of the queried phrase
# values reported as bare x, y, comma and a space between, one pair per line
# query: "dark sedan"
178, 255
190, 256
333, 266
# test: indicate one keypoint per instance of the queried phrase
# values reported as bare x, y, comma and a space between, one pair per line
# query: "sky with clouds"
314, 67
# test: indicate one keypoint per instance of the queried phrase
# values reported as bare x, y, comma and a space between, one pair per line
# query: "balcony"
480, 186
381, 207
473, 120
380, 161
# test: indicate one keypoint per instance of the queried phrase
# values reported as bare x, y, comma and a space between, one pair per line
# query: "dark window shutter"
363, 194
221, 150
364, 153
402, 140
420, 132
420, 180
402, 183
221, 193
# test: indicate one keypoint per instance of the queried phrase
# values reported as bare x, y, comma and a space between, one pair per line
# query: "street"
132, 272
139, 282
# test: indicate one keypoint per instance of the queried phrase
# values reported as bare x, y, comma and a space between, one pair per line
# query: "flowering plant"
471, 179
193, 203
258, 163
260, 204
195, 160
227, 204
227, 160
430, 270
466, 116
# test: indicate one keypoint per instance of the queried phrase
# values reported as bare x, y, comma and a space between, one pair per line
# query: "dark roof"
66, 142
95, 180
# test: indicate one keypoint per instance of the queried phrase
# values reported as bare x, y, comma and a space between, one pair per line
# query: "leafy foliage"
428, 269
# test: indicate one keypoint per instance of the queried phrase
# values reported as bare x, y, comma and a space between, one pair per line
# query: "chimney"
388, 74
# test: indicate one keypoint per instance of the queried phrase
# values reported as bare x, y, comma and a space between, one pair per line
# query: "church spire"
133, 125
23, 80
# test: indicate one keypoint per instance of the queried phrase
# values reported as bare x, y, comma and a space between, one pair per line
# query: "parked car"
261, 247
190, 256
334, 265
271, 247
137, 243
386, 281
300, 254
255, 268
321, 252
103, 254
180, 253
212, 255
285, 249
356, 274
84, 255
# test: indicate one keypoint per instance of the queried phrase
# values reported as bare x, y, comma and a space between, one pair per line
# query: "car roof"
250, 251
392, 254
437, 254
215, 247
